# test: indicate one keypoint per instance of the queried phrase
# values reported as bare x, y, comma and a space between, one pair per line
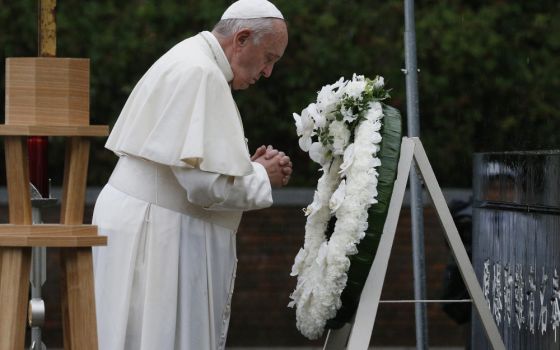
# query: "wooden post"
47, 28
15, 262
74, 181
78, 300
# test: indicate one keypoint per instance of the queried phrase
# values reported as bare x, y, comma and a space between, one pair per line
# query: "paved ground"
312, 348
377, 348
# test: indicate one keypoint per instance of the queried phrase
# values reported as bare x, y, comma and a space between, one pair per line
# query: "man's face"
251, 61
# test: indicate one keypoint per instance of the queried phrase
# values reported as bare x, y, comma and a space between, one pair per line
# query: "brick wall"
267, 242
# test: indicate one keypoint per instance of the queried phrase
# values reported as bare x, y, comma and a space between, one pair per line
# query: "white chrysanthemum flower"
318, 153
376, 137
351, 248
355, 88
298, 262
341, 135
347, 159
338, 197
375, 111
329, 96
374, 163
322, 254
376, 126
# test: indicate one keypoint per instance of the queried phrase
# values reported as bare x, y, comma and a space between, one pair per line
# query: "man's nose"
267, 70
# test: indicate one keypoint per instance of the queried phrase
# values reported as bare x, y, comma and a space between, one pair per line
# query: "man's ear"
242, 37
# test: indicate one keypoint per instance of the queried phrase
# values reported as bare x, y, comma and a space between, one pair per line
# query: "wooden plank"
74, 182
15, 265
49, 229
53, 130
17, 179
78, 313
18, 240
50, 235
81, 331
14, 289
66, 329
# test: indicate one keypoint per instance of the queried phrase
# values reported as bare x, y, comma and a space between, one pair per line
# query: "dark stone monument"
516, 246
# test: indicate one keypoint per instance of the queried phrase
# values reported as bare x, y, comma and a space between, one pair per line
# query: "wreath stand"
48, 96
356, 335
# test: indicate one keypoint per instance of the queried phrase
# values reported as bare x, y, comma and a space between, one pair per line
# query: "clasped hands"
277, 164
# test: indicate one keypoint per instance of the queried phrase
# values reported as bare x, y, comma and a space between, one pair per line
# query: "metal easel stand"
357, 334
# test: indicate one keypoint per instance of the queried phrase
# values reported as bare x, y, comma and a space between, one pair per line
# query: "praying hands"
277, 164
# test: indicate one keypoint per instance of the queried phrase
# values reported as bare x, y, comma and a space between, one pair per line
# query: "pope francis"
184, 177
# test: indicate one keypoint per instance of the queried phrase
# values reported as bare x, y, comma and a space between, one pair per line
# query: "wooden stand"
17, 238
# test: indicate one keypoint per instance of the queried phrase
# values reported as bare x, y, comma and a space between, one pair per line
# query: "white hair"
259, 27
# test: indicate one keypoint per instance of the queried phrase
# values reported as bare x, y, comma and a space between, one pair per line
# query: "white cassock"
173, 204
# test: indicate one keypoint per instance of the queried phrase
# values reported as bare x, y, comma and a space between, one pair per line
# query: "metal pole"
416, 205
37, 279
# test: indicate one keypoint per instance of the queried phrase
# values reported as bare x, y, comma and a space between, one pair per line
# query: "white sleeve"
222, 192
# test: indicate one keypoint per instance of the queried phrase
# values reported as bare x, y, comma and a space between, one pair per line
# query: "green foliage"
488, 81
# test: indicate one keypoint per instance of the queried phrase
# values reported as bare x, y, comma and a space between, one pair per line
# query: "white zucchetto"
248, 9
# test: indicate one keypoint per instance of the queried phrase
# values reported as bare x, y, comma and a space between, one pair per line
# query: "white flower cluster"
346, 120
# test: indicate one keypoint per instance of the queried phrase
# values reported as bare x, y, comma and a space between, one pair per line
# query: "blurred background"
489, 76
489, 81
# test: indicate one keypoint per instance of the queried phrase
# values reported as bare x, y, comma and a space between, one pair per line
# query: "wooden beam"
14, 289
78, 313
15, 262
50, 130
50, 236
79, 319
17, 179
74, 181
18, 240
49, 229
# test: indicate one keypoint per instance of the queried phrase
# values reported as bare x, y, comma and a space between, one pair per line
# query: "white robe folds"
172, 206
181, 112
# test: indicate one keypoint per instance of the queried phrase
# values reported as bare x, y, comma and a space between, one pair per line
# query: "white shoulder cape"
181, 113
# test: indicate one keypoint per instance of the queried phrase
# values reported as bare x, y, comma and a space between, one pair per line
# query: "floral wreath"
341, 132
